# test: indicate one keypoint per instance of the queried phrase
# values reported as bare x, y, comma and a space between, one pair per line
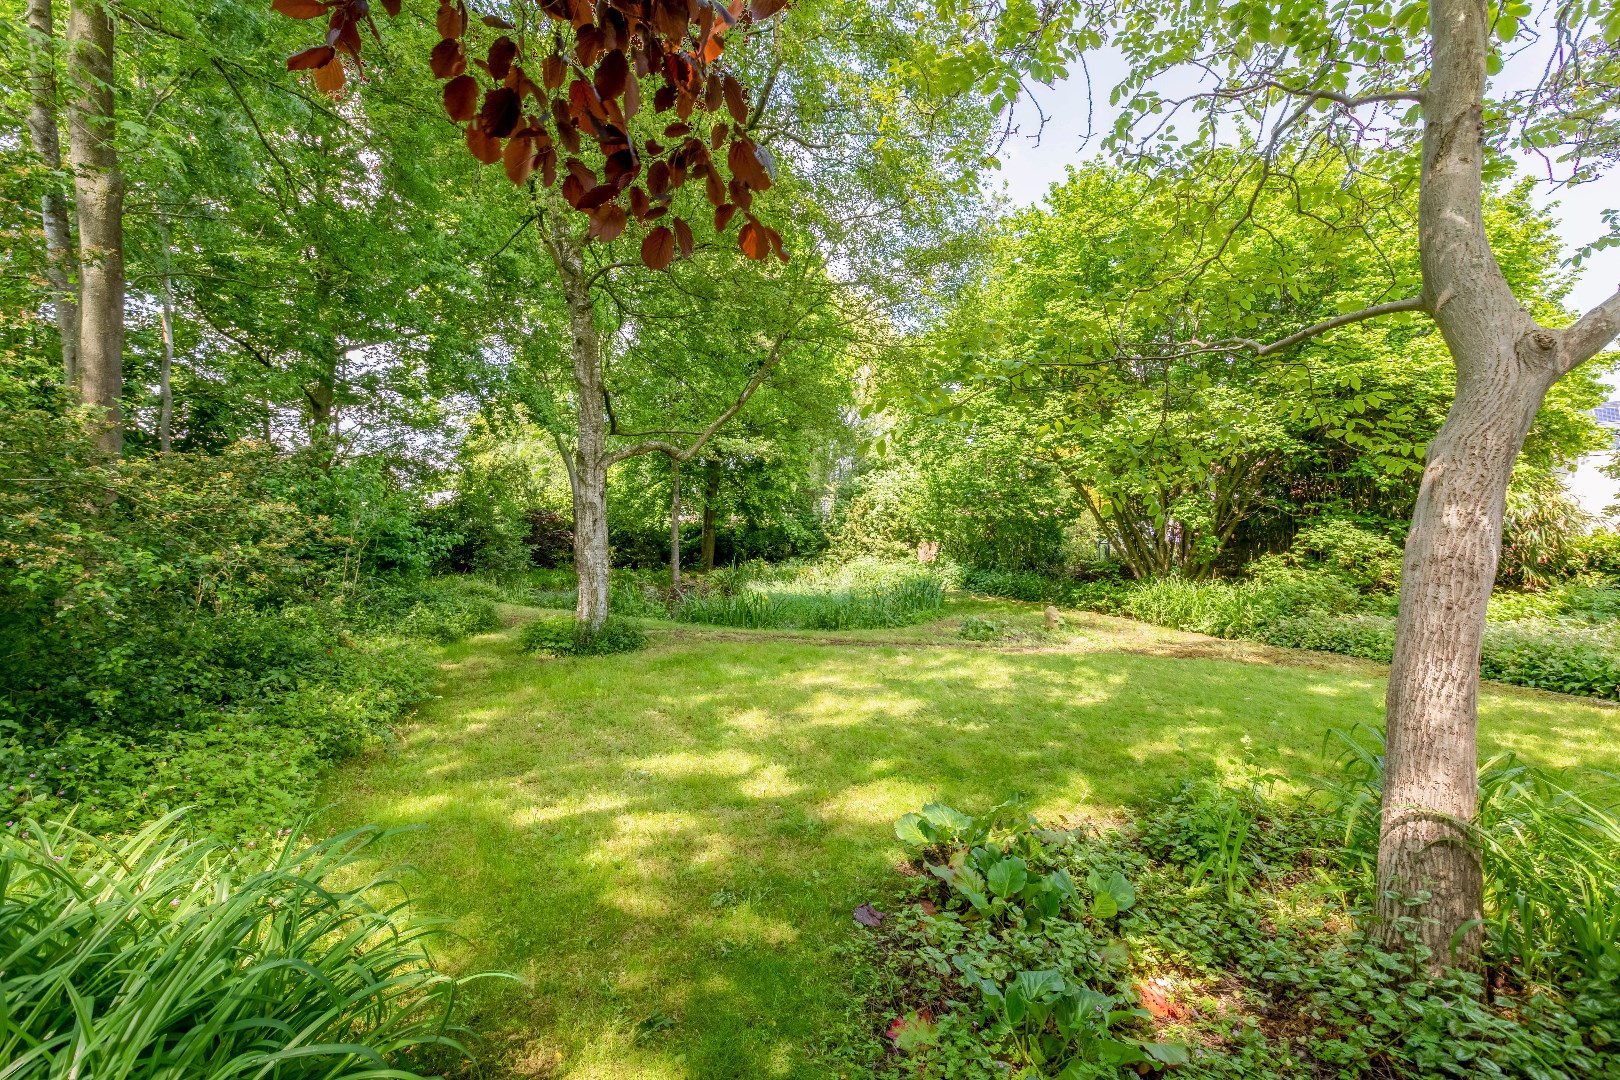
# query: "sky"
1031, 166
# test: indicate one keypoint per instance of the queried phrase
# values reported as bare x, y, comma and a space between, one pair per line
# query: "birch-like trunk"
99, 201
60, 261
591, 557
166, 366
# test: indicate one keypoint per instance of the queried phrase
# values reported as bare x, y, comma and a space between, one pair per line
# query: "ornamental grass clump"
163, 955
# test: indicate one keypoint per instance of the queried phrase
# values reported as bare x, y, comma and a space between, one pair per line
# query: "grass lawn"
667, 846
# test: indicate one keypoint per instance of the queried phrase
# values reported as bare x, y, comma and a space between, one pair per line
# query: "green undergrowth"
164, 956
1221, 934
564, 636
234, 713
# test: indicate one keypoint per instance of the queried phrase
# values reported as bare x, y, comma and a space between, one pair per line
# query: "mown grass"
667, 846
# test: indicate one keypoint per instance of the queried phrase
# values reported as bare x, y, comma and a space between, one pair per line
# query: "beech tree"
1397, 89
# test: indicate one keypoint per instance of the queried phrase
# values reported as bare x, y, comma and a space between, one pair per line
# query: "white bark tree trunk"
60, 263
99, 200
166, 367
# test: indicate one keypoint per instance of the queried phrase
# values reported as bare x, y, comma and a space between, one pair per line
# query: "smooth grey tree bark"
98, 189
61, 265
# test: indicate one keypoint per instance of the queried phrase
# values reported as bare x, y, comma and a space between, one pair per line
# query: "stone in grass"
1054, 617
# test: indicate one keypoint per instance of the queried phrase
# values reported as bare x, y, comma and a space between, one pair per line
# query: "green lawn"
666, 846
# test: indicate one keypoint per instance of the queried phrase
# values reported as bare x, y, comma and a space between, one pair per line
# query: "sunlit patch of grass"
683, 833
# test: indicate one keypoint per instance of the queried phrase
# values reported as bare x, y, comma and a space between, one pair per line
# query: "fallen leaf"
867, 915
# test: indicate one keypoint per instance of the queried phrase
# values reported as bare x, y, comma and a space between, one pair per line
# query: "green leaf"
1008, 876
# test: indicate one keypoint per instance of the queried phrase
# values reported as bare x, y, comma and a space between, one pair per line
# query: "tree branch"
676, 453
1411, 303
1595, 330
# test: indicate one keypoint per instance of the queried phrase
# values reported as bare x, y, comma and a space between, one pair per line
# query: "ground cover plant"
1224, 933
669, 852
164, 955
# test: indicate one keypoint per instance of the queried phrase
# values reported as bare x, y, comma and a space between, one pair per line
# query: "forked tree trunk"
1506, 362
60, 262
591, 559
99, 200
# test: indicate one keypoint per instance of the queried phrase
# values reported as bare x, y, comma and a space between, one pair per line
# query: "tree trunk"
674, 525
60, 264
99, 199
1427, 869
711, 496
166, 367
591, 563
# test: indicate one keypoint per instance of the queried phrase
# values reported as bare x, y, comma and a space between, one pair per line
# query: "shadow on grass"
667, 845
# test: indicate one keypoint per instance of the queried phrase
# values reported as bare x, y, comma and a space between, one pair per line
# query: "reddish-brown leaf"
713, 188
547, 158
723, 216
655, 213
607, 222
584, 102
449, 59
740, 194
501, 53
329, 77
683, 237
670, 18
568, 135
588, 45
298, 9
775, 239
612, 75
573, 190
553, 69
736, 104
311, 58
664, 99
483, 146
639, 203
752, 241
448, 20
392, 7
581, 13
717, 135
621, 167
658, 178
596, 196
581, 172
684, 104
658, 248
502, 112
675, 131
760, 10
743, 161
632, 98
713, 93
518, 159
461, 98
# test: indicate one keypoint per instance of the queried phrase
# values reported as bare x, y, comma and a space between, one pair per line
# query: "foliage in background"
861, 594
160, 955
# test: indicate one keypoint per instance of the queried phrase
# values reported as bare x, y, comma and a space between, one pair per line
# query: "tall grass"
1551, 857
863, 594
162, 956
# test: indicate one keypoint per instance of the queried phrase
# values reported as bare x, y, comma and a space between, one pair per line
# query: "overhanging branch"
1411, 303
1592, 333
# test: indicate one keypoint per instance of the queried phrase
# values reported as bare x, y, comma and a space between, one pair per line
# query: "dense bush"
164, 956
558, 636
1242, 608
198, 629
1218, 937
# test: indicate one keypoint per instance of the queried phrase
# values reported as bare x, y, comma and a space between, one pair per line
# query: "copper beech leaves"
601, 50
658, 248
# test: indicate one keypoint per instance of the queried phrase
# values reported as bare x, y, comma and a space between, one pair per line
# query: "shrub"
1242, 608
975, 628
163, 956
861, 594
556, 636
1361, 557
